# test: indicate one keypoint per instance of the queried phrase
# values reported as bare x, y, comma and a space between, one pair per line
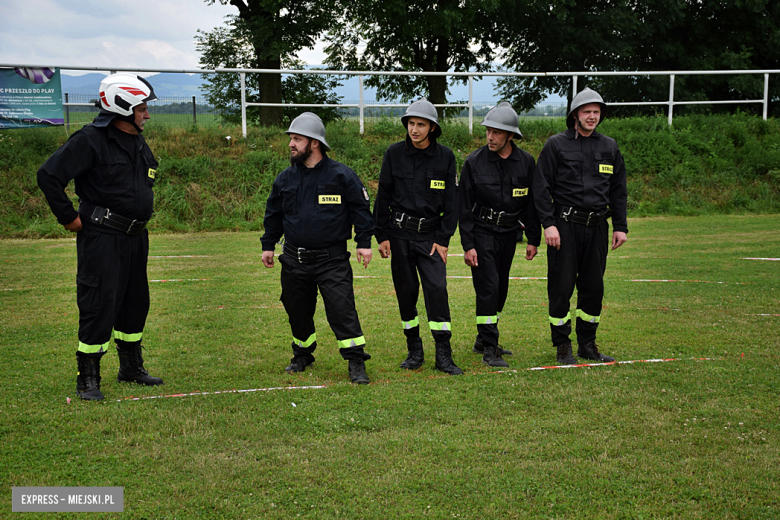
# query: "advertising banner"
30, 97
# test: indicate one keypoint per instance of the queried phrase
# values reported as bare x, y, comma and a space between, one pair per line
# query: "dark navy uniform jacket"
111, 169
421, 184
502, 185
587, 173
315, 208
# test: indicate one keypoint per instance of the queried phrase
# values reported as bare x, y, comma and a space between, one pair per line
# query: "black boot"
416, 356
131, 366
479, 348
357, 371
492, 357
565, 357
444, 360
591, 351
88, 379
299, 363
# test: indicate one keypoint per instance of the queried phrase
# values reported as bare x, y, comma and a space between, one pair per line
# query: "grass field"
686, 438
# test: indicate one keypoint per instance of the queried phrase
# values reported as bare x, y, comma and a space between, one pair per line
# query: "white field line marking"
249, 390
690, 281
770, 259
183, 256
317, 387
181, 280
605, 364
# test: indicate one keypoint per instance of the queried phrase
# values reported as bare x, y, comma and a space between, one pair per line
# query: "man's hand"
364, 256
442, 251
471, 258
75, 226
618, 239
530, 252
552, 238
268, 258
384, 249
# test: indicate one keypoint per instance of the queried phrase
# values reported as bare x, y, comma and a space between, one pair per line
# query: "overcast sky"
144, 34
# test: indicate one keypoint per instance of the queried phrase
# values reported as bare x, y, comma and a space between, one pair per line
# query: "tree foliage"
395, 35
269, 33
653, 35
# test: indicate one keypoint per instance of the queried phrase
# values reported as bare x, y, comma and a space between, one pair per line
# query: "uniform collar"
570, 134
515, 155
316, 167
103, 119
411, 149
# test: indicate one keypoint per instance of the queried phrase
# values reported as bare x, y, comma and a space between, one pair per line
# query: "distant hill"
172, 85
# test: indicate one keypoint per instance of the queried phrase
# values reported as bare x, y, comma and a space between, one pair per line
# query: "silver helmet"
585, 97
503, 117
424, 109
309, 125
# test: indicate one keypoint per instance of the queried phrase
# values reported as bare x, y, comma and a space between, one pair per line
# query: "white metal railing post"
766, 95
573, 86
360, 102
242, 75
671, 97
471, 105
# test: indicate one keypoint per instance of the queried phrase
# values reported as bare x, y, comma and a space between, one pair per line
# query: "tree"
229, 47
414, 35
603, 35
270, 32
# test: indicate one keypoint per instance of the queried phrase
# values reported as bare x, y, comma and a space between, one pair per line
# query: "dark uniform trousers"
333, 277
495, 254
581, 262
112, 288
407, 258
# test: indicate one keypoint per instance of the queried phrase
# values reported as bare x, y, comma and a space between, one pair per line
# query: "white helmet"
424, 109
120, 93
503, 117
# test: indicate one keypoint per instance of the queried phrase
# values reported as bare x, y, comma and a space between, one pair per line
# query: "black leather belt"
497, 218
312, 256
592, 218
106, 217
421, 225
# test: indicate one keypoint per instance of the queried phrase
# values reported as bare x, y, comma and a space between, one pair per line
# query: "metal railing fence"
361, 104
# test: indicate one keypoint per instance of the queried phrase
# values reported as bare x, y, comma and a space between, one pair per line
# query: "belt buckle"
399, 220
100, 216
300, 250
498, 220
419, 225
565, 214
587, 222
130, 227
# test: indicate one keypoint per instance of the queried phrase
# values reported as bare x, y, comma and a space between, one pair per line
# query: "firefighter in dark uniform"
113, 171
495, 203
314, 203
416, 213
579, 182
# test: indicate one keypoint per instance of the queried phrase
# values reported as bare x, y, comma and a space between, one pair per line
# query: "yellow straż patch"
152, 173
605, 168
437, 185
330, 199
520, 192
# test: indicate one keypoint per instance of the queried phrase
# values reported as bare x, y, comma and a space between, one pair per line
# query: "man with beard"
416, 213
314, 203
495, 201
579, 182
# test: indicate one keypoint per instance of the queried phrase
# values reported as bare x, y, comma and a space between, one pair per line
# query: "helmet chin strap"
576, 127
131, 120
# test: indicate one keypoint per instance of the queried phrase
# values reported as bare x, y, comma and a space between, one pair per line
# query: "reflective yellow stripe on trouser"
307, 343
558, 322
130, 338
411, 323
487, 320
352, 342
440, 325
587, 317
93, 349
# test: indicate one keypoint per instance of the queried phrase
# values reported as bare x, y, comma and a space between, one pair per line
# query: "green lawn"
687, 438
